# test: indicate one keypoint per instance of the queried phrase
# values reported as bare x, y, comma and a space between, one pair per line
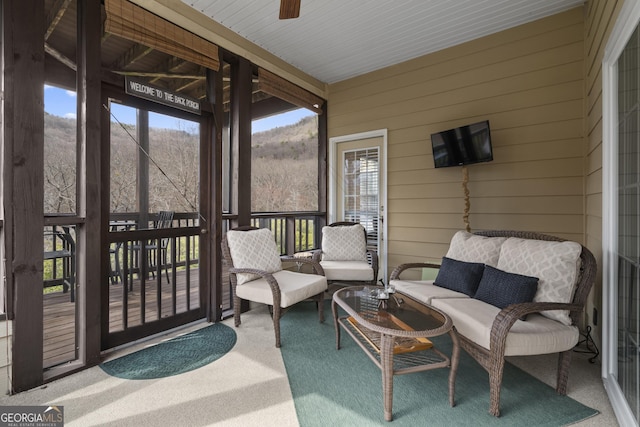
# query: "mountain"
284, 170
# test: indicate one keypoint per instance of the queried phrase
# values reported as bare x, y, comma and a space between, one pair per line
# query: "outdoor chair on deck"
63, 247
115, 270
255, 270
156, 250
344, 255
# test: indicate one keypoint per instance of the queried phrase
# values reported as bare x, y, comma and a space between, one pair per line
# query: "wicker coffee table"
394, 334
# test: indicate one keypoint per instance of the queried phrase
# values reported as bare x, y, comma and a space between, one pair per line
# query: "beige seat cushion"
424, 290
347, 270
294, 287
537, 335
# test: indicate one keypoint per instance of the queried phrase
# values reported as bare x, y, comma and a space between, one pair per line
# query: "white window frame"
627, 21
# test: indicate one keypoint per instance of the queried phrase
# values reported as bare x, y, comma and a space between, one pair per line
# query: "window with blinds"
361, 195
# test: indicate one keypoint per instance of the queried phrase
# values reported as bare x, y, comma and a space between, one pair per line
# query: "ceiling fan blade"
289, 9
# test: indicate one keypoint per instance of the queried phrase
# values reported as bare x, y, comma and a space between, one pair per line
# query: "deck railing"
294, 232
59, 258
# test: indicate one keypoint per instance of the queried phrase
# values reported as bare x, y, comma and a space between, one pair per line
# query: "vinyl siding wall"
528, 82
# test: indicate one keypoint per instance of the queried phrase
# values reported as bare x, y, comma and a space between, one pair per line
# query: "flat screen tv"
462, 146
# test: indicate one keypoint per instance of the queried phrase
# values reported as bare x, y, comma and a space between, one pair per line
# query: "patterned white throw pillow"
468, 247
344, 243
253, 249
555, 264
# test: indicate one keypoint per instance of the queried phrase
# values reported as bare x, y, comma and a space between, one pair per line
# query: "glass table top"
397, 313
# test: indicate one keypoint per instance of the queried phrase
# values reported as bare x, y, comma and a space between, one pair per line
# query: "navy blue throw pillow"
459, 276
502, 289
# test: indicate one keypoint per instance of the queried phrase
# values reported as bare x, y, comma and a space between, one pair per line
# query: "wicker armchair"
254, 279
348, 272
493, 359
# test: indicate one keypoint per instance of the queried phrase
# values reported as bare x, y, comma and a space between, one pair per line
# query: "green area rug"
175, 356
343, 387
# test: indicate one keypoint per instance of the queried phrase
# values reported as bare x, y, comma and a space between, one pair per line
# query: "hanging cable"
190, 205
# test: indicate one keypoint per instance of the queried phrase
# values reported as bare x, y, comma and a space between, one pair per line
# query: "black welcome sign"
148, 91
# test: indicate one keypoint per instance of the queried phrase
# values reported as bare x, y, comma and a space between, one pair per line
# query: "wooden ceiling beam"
55, 15
135, 53
171, 64
162, 75
188, 85
269, 106
59, 56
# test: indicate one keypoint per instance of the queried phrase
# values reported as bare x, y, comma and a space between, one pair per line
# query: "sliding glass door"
621, 218
629, 223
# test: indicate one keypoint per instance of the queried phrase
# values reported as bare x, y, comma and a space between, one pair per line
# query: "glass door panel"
629, 223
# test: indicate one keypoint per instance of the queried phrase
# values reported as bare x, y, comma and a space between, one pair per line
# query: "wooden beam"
90, 269
193, 85
158, 74
171, 65
60, 57
142, 187
270, 106
181, 86
105, 172
211, 195
135, 53
55, 15
58, 74
23, 171
241, 89
323, 171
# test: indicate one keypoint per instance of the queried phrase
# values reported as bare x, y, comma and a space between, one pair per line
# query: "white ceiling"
334, 40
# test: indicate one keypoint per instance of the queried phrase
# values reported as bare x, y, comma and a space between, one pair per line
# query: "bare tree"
284, 171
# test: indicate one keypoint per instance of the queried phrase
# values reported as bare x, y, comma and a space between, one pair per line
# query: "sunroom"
169, 113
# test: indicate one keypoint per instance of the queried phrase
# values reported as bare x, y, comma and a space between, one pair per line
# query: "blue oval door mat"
175, 356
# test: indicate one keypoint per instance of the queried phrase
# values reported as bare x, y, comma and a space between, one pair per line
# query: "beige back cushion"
344, 243
468, 247
555, 264
253, 249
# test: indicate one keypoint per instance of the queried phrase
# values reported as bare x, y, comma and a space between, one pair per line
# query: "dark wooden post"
105, 154
212, 197
323, 175
142, 186
90, 274
23, 182
241, 98
290, 243
241, 91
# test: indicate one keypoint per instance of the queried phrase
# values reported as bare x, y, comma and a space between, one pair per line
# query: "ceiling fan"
289, 9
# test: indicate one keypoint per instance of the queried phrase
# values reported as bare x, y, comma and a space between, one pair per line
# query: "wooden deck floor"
60, 312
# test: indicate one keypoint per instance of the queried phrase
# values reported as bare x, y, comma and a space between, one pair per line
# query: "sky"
61, 102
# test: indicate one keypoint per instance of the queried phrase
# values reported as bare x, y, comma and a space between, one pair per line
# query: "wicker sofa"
501, 316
